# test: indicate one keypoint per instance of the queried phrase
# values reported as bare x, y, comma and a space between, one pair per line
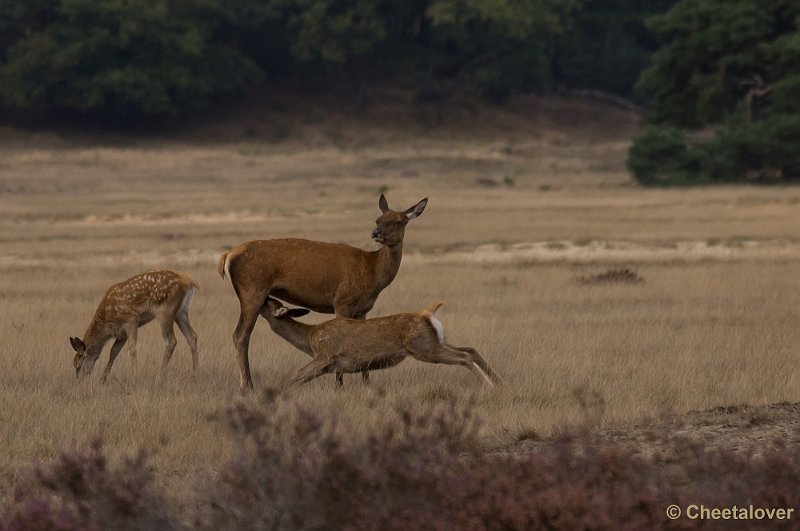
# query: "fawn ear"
417, 209
383, 204
77, 344
298, 312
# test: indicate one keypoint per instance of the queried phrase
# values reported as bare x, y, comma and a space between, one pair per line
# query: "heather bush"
421, 467
296, 469
81, 490
424, 468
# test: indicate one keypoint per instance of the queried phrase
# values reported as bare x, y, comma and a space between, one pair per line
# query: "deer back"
378, 335
302, 272
140, 295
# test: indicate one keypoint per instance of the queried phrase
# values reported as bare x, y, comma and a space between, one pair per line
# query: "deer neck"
295, 333
95, 337
387, 263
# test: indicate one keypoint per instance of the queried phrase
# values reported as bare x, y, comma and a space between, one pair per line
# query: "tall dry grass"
704, 329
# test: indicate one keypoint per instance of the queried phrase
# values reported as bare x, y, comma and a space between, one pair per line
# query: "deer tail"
193, 283
222, 264
431, 308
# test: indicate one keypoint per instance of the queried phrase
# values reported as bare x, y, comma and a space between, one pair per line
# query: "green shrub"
660, 156
765, 151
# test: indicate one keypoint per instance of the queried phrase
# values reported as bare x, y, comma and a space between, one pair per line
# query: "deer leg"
168, 334
365, 372
131, 329
339, 379
115, 348
316, 367
343, 310
480, 362
241, 338
451, 356
191, 337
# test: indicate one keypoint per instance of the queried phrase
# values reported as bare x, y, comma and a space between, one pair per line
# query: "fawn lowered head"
83, 362
391, 224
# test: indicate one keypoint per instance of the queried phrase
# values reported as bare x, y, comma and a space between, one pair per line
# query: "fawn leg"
451, 356
314, 369
115, 348
480, 362
191, 337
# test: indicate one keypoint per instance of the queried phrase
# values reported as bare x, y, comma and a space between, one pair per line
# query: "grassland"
524, 201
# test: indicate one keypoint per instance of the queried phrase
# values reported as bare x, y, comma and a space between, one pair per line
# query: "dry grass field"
525, 201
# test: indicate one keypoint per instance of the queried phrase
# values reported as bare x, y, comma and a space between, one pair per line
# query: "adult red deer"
323, 277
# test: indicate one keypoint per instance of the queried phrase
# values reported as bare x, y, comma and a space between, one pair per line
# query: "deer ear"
77, 344
417, 209
383, 204
298, 312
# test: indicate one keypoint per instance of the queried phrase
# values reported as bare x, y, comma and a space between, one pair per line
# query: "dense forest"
731, 67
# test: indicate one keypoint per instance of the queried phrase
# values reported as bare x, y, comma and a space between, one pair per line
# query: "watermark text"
734, 512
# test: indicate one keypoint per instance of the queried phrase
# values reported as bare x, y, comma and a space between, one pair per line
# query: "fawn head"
82, 362
278, 310
392, 225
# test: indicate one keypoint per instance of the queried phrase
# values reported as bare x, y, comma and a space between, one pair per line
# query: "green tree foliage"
608, 45
497, 45
333, 31
660, 156
733, 65
717, 51
163, 56
122, 56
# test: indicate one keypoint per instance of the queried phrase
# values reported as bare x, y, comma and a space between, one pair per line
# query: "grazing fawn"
348, 345
161, 295
324, 277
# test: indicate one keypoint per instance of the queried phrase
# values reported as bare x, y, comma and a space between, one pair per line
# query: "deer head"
391, 225
278, 310
83, 362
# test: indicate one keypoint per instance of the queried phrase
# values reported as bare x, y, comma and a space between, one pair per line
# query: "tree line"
156, 57
729, 67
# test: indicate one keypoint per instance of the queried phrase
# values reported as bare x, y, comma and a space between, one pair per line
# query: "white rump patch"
437, 325
227, 267
187, 300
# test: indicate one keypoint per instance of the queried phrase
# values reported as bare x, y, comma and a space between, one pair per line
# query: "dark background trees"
732, 67
155, 57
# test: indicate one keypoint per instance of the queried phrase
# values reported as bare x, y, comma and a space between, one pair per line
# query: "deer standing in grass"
348, 345
324, 277
161, 295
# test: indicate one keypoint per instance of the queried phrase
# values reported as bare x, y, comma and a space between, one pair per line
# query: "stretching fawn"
350, 345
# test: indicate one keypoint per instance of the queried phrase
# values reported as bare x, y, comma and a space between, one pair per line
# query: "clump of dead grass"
614, 275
